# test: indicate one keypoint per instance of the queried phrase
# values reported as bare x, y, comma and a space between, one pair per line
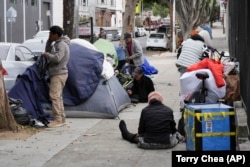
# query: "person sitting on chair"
157, 127
142, 86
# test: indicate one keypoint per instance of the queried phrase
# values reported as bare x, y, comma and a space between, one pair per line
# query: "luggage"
210, 127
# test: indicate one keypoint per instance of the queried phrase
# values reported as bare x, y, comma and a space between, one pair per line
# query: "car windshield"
158, 36
42, 34
4, 51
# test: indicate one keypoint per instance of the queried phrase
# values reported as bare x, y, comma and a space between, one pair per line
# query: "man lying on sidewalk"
157, 128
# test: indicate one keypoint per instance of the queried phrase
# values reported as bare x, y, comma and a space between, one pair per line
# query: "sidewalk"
98, 142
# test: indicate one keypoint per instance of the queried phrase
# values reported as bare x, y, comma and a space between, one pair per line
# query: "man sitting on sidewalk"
156, 126
142, 86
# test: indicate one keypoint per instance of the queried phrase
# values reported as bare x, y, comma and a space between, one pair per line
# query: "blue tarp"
31, 89
147, 68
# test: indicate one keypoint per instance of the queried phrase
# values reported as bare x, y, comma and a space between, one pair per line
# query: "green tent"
107, 47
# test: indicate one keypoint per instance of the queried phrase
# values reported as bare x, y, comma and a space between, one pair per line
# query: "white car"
15, 59
42, 34
142, 32
36, 45
157, 40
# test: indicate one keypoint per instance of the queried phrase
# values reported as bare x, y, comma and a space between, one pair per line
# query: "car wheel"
147, 48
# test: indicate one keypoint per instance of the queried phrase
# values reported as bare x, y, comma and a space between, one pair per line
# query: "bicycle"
125, 75
199, 96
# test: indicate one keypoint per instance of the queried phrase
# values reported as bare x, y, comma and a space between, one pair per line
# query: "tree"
160, 10
128, 19
192, 13
7, 120
68, 18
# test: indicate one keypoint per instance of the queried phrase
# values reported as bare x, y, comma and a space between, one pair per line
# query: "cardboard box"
210, 127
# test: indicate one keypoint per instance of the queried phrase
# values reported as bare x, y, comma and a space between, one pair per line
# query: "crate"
210, 127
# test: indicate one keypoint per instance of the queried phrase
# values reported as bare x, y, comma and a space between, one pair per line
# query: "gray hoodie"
58, 55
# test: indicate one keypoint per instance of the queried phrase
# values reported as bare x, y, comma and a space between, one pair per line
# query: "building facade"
105, 13
31, 16
35, 15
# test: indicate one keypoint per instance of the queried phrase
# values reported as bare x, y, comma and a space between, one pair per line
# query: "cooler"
210, 127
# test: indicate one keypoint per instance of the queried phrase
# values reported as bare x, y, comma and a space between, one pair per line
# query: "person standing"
102, 33
208, 29
205, 35
57, 52
133, 51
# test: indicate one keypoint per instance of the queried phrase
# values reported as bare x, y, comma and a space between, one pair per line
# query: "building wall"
109, 13
239, 42
57, 10
26, 23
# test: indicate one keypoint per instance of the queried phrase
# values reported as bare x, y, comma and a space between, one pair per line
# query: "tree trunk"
7, 120
68, 18
128, 19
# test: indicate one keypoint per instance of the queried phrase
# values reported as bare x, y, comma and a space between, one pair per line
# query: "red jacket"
215, 66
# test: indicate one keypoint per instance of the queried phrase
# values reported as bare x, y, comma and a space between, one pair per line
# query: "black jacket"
142, 88
156, 123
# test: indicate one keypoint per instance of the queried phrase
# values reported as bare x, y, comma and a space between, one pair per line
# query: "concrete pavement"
98, 142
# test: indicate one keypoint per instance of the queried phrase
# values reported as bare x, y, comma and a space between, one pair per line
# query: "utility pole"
5, 21
173, 31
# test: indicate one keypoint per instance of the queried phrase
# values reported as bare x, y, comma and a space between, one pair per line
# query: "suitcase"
210, 127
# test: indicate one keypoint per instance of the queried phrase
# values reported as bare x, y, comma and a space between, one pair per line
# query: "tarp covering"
85, 68
31, 89
147, 68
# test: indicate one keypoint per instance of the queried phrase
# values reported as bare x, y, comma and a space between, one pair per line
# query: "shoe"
125, 133
36, 123
55, 124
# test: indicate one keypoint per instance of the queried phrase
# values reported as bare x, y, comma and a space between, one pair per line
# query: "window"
33, 2
83, 3
112, 3
102, 1
24, 54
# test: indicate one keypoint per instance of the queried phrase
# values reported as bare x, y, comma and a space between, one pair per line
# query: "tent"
86, 93
107, 48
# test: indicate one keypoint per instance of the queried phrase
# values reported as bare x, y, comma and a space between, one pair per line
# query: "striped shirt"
190, 53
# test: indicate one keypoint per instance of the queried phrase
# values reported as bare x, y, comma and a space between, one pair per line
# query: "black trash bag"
20, 114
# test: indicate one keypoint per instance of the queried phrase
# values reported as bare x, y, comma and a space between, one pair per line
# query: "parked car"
15, 59
142, 32
111, 33
157, 40
36, 45
42, 34
164, 29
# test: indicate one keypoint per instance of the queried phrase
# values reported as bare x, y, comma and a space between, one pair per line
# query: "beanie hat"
155, 95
